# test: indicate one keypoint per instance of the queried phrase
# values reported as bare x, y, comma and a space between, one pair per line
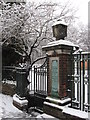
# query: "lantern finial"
59, 29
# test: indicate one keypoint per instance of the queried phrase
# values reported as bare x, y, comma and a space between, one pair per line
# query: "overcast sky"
83, 10
81, 5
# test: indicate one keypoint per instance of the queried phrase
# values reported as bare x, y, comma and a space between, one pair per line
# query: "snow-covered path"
8, 110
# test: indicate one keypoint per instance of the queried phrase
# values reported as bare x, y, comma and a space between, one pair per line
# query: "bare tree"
80, 36
28, 26
84, 40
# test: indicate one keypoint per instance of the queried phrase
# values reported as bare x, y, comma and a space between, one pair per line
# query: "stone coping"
58, 100
60, 43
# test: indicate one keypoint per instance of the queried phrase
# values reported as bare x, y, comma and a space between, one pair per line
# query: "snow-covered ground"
8, 110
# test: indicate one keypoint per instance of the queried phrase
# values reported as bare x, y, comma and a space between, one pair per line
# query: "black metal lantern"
59, 30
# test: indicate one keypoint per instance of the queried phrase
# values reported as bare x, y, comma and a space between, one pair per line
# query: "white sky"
81, 5
82, 10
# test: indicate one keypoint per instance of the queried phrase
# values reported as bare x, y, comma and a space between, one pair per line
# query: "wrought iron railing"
81, 81
38, 80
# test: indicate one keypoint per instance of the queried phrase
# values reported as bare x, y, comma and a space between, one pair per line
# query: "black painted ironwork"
37, 76
81, 81
38, 79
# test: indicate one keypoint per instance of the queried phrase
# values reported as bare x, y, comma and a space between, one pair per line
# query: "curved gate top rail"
38, 79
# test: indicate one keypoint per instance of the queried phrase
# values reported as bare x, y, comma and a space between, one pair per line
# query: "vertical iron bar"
38, 79
89, 82
31, 78
83, 82
28, 78
34, 79
78, 72
43, 77
72, 73
45, 81
80, 78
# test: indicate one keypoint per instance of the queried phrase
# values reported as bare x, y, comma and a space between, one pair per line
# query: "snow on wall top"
60, 22
75, 112
70, 111
58, 100
60, 42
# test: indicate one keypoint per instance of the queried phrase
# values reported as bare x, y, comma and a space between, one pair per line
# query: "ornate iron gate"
38, 79
38, 85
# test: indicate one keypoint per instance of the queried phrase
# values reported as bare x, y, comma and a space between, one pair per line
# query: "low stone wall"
56, 112
8, 89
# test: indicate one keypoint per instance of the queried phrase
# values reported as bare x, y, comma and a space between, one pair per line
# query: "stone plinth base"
58, 101
19, 102
57, 111
53, 109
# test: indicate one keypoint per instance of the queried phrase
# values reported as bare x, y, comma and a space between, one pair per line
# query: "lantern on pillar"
59, 30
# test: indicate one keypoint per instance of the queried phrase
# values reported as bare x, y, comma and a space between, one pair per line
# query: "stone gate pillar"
59, 64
